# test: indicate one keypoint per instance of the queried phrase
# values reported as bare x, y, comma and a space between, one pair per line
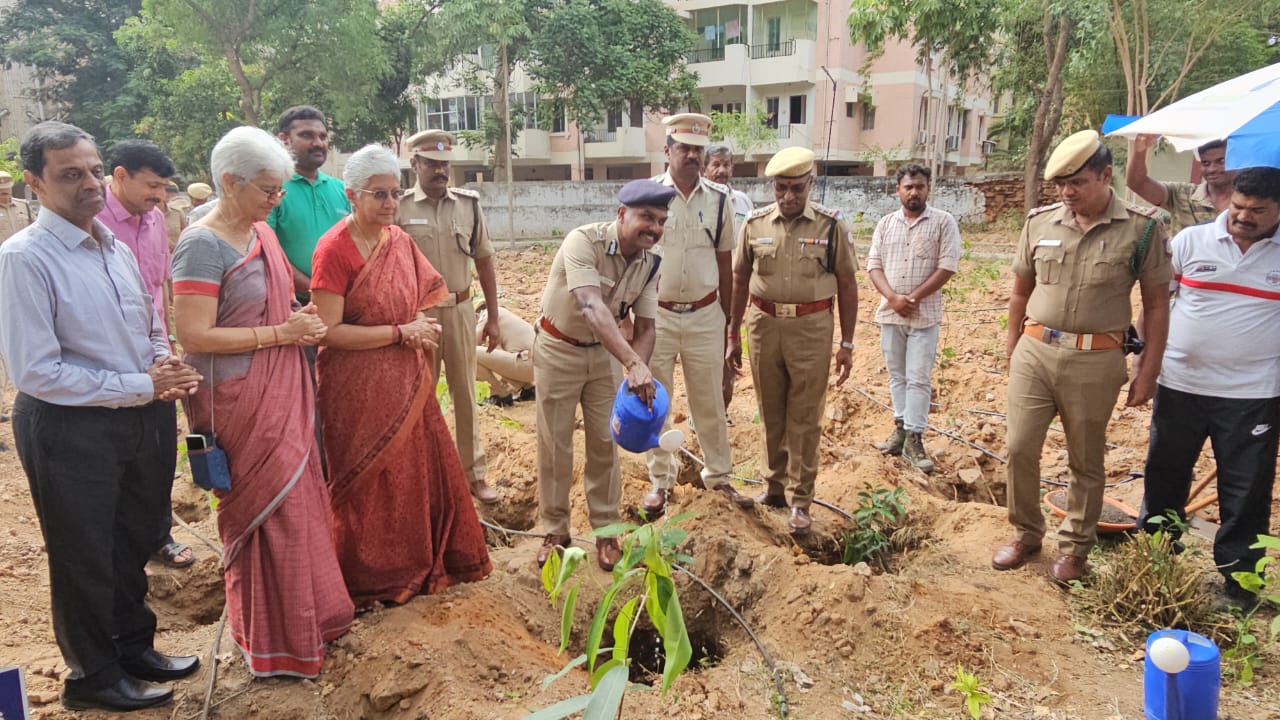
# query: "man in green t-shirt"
313, 201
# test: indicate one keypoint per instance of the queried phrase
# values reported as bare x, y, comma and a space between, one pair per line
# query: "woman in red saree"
235, 318
403, 520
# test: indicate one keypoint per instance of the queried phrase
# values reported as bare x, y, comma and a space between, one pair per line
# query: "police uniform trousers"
790, 364
1081, 387
698, 339
506, 372
568, 376
458, 352
1244, 433
99, 478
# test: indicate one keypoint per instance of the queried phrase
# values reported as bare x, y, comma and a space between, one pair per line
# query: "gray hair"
367, 162
246, 152
48, 135
719, 149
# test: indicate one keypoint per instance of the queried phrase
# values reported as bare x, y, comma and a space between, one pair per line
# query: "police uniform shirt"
788, 258
689, 241
443, 232
14, 217
590, 256
1083, 280
1188, 204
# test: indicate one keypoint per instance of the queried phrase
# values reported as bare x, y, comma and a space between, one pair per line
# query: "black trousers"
99, 478
1244, 435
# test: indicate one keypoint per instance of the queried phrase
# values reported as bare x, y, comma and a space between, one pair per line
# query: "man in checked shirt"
914, 252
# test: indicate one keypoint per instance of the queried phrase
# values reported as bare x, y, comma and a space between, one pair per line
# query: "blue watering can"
637, 428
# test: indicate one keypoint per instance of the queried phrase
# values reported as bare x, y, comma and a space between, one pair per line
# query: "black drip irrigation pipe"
783, 706
935, 428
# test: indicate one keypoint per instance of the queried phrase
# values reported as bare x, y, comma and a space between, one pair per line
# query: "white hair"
368, 162
246, 152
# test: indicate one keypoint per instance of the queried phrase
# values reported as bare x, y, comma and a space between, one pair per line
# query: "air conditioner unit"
953, 143
922, 138
988, 147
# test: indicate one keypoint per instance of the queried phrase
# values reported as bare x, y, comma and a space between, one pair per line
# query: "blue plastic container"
634, 426
1190, 695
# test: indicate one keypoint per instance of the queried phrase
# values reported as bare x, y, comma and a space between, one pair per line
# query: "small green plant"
878, 514
644, 574
969, 686
1245, 654
483, 391
510, 423
442, 395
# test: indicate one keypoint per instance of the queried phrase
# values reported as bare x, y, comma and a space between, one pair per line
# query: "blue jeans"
909, 354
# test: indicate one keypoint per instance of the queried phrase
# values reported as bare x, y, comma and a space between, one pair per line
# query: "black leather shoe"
769, 500
126, 694
158, 667
526, 395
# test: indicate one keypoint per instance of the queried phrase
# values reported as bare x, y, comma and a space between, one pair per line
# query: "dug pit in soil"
648, 656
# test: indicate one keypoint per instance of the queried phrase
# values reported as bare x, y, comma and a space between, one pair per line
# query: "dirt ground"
853, 643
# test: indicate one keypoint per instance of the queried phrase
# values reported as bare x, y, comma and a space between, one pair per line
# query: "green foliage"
878, 514
963, 31
1244, 656
970, 687
746, 132
10, 162
642, 586
594, 55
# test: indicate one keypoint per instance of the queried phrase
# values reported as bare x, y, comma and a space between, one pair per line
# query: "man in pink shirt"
140, 172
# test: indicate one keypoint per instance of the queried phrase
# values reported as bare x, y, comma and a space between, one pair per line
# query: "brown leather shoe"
608, 553
654, 502
1069, 567
1013, 555
769, 500
484, 492
550, 544
735, 497
799, 521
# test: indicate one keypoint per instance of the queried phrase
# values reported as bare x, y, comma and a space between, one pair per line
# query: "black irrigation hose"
768, 659
935, 428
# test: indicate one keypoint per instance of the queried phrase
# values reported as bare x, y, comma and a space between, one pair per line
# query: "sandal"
175, 555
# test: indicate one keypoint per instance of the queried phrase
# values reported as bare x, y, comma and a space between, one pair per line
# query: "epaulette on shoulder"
1043, 209
761, 211
1150, 211
466, 192
829, 212
722, 189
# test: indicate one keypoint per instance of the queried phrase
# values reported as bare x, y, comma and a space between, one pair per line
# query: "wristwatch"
846, 345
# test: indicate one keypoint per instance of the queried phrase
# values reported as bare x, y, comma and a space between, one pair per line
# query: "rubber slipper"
172, 555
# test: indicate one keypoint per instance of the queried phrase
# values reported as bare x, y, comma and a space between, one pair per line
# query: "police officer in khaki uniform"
602, 274
693, 308
508, 368
14, 214
1074, 268
448, 227
795, 260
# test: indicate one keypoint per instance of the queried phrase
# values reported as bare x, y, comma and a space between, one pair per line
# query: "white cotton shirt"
1224, 328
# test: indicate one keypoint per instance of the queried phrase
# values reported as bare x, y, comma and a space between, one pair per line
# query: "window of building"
771, 106
868, 116
773, 34
637, 115
797, 110
924, 114
558, 122
848, 109
456, 113
717, 107
964, 125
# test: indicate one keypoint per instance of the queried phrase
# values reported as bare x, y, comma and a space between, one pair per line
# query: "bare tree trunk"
501, 103
506, 132
1048, 106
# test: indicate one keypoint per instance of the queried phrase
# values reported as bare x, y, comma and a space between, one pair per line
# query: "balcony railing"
712, 54
769, 50
784, 132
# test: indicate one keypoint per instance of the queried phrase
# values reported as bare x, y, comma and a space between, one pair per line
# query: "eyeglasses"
383, 195
275, 194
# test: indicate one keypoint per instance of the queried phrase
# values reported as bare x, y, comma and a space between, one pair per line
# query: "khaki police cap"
1071, 154
689, 128
432, 144
791, 162
6, 180
199, 191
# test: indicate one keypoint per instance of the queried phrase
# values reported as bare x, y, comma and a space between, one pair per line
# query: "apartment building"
791, 59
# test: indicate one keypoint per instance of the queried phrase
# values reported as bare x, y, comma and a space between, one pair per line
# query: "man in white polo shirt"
1221, 373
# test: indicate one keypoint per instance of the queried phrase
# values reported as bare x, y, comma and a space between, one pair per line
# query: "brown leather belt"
1079, 341
790, 310
554, 332
457, 298
689, 306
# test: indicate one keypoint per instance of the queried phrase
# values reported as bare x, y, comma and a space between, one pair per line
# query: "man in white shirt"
1221, 373
719, 169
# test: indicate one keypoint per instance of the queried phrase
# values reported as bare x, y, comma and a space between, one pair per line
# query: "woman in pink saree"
403, 520
236, 320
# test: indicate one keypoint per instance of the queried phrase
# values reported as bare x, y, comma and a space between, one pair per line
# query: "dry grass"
1144, 584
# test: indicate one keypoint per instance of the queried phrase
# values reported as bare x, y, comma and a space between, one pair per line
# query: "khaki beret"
1071, 154
199, 191
6, 180
791, 162
689, 128
432, 144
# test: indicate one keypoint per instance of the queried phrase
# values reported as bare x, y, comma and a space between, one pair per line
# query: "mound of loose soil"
851, 642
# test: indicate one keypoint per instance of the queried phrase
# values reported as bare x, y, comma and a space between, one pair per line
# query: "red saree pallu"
403, 519
285, 594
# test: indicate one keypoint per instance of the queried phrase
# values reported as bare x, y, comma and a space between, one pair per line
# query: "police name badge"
1048, 242
419, 221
